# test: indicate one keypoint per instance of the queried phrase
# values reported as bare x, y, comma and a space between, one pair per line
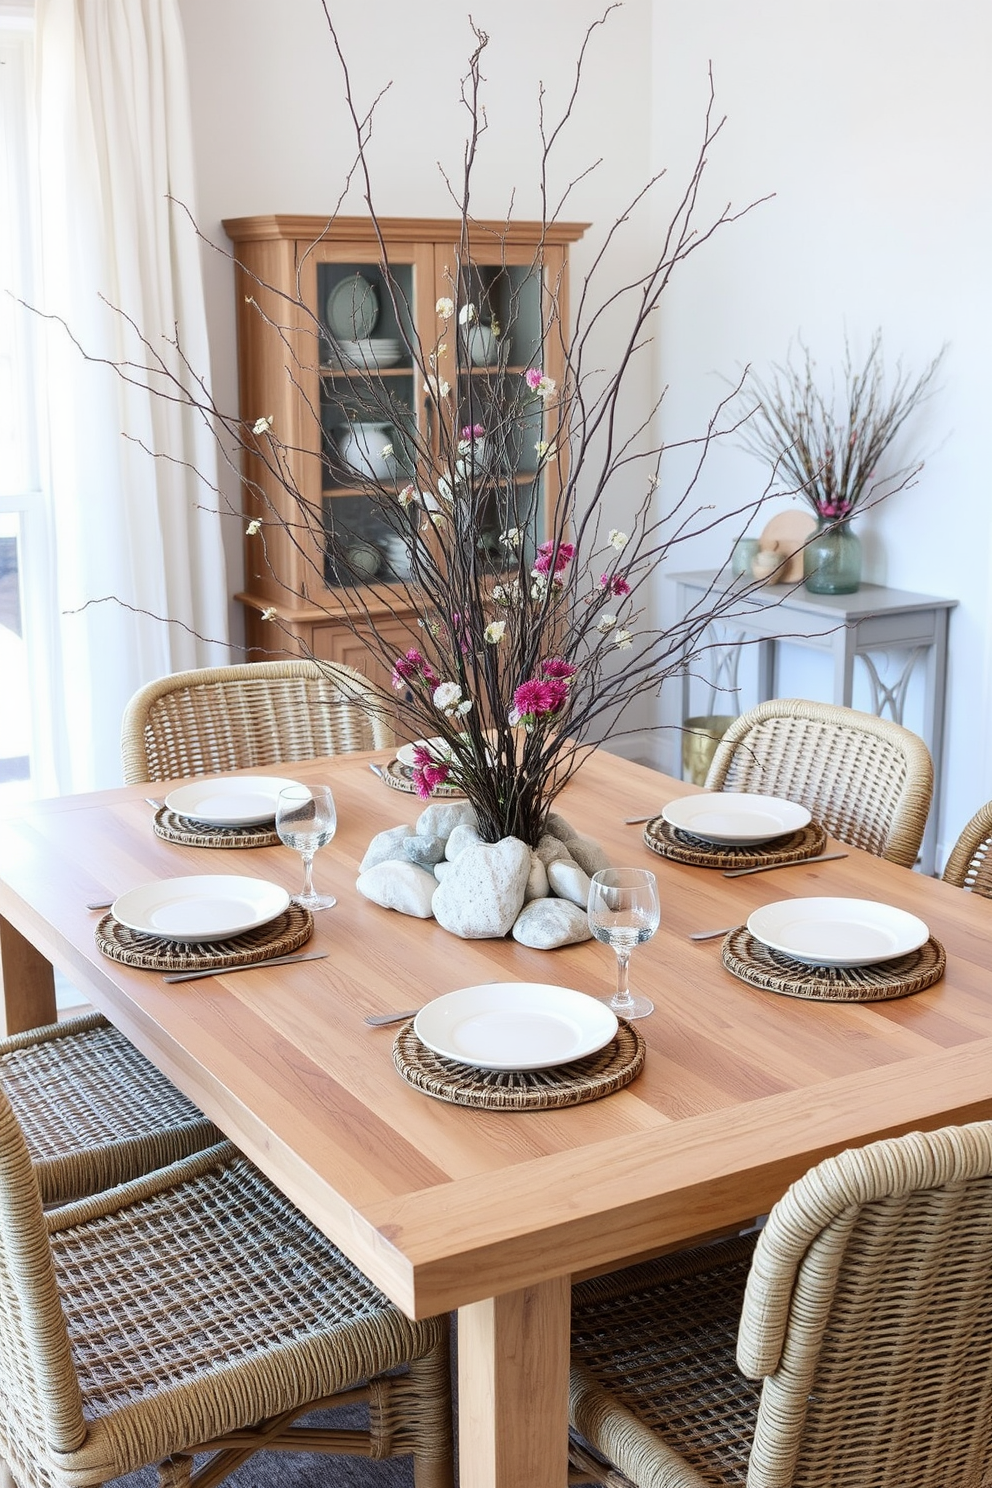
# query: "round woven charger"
758, 965
683, 847
279, 937
176, 828
398, 777
521, 1090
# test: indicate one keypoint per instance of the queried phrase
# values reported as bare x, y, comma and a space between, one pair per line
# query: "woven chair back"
970, 863
40, 1400
267, 713
868, 780
869, 1309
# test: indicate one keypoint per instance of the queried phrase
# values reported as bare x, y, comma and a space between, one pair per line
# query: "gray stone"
546, 923
537, 880
423, 850
441, 818
401, 886
588, 854
550, 848
557, 826
385, 847
462, 836
569, 881
483, 896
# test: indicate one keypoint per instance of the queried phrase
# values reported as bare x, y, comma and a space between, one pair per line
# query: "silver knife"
769, 867
194, 976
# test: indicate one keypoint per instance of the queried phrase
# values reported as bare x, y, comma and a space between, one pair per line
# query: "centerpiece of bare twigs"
532, 634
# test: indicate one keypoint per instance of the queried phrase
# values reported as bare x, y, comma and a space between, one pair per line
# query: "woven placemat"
683, 847
521, 1090
192, 833
758, 965
400, 777
279, 937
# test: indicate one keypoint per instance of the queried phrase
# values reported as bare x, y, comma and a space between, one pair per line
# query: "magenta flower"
533, 378
558, 669
546, 556
413, 668
539, 699
474, 431
428, 772
615, 584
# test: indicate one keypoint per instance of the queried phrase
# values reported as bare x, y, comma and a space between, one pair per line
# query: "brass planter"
700, 736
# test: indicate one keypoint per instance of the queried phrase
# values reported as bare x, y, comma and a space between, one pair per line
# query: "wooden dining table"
487, 1212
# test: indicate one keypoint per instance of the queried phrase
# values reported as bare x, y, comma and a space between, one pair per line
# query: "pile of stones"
441, 868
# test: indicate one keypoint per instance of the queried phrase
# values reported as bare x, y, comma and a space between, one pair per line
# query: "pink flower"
533, 378
536, 698
558, 669
474, 431
615, 584
428, 772
412, 668
546, 556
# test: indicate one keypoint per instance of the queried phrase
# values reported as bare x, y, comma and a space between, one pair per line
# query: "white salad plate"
735, 818
207, 906
229, 800
838, 932
352, 309
515, 1025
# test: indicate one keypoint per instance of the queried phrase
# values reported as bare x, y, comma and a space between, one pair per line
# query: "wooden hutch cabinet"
322, 336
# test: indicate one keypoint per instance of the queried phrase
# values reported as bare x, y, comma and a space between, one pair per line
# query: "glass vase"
832, 558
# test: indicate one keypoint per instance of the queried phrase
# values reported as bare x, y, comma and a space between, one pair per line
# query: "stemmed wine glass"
624, 911
306, 819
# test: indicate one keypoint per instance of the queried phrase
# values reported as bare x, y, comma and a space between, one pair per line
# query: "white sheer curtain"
139, 533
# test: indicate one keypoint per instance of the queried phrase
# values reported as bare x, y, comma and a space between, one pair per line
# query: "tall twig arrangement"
830, 447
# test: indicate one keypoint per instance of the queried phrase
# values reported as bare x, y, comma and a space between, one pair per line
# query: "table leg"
513, 1388
27, 984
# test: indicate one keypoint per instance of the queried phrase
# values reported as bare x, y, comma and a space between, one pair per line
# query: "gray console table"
846, 626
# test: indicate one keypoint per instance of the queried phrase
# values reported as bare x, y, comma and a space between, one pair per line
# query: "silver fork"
379, 1020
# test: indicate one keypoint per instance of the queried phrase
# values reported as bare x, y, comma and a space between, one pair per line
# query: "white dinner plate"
838, 932
229, 800
735, 817
208, 906
515, 1025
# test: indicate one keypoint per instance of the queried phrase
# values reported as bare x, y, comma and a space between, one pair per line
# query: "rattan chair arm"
97, 1205
618, 1434
965, 860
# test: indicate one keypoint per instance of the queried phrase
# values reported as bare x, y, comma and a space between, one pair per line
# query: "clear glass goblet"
624, 912
306, 819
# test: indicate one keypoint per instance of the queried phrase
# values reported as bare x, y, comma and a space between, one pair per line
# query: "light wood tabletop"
486, 1212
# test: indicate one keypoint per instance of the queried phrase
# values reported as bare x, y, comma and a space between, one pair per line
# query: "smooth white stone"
537, 880
441, 818
385, 847
483, 896
588, 854
463, 836
441, 871
400, 886
547, 923
550, 848
569, 881
557, 826
423, 850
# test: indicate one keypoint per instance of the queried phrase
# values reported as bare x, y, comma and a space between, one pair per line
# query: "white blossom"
618, 539
510, 538
437, 388
386, 452
495, 631
262, 425
467, 314
623, 640
605, 624
445, 307
407, 496
253, 527
268, 614
448, 699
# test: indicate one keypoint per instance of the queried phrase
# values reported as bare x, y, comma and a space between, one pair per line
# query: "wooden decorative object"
779, 559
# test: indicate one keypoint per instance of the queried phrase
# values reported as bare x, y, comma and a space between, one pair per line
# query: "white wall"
869, 120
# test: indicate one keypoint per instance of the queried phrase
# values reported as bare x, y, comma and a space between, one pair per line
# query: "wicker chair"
867, 780
970, 865
195, 1310
94, 1111
866, 1310
266, 713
